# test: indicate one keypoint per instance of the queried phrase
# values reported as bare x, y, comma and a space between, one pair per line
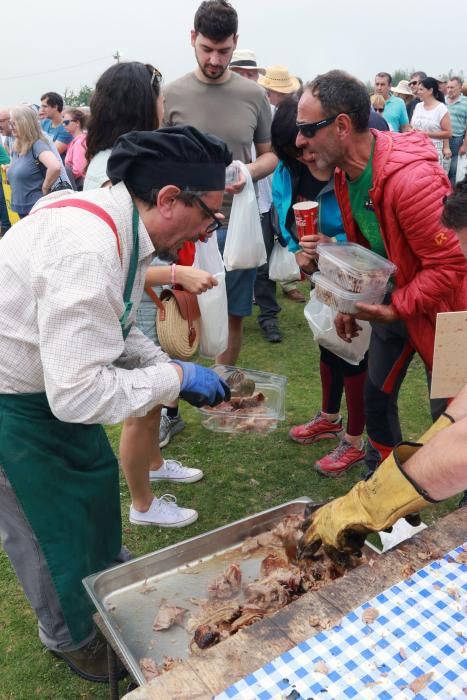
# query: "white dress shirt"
62, 283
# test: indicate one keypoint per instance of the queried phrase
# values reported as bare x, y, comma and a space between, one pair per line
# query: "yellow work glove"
370, 506
444, 421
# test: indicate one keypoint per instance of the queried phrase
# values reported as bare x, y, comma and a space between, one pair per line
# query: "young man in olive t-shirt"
216, 100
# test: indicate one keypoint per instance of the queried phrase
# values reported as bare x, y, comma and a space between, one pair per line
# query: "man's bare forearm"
263, 166
440, 466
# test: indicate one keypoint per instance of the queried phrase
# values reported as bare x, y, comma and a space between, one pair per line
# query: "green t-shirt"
4, 157
362, 207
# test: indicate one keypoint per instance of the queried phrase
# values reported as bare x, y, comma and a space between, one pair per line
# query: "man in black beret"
72, 360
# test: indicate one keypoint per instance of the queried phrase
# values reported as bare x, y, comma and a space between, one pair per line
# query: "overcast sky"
66, 45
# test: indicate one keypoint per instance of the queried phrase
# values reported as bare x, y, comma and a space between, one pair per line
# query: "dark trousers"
389, 357
265, 289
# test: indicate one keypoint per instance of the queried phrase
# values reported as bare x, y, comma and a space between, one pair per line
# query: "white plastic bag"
212, 303
461, 170
244, 246
321, 317
283, 265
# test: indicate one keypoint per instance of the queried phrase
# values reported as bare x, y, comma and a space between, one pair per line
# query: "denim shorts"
239, 284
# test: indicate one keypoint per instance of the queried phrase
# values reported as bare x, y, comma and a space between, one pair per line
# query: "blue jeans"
455, 142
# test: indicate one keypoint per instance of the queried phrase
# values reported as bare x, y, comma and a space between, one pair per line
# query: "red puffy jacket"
408, 190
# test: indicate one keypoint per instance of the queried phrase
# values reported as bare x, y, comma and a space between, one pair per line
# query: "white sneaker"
164, 512
172, 470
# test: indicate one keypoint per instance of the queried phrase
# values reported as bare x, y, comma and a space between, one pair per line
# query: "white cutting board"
450, 355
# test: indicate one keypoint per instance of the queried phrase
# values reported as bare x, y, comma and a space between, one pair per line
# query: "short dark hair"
432, 84
383, 74
125, 99
420, 74
457, 79
53, 99
216, 19
455, 207
341, 93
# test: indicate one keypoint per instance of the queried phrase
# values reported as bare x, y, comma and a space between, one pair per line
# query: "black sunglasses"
378, 109
216, 223
309, 129
413, 83
65, 122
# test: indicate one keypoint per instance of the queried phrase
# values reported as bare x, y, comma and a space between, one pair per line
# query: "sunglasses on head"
156, 75
309, 129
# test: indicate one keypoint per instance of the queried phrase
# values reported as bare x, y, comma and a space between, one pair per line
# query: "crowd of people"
147, 163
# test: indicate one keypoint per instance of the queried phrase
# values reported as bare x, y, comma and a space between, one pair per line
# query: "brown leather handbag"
177, 322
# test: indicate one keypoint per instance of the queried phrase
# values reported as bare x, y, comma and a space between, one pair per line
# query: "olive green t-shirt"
362, 207
237, 111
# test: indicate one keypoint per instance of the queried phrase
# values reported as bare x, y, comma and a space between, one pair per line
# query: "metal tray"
128, 596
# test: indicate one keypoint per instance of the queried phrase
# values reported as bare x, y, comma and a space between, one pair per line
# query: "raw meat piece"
149, 668
168, 616
239, 402
271, 563
227, 584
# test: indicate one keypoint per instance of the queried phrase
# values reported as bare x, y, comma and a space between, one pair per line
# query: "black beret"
175, 155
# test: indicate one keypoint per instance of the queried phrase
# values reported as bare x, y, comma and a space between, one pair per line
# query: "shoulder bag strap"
153, 296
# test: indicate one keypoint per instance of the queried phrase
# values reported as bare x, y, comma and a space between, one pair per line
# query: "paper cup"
306, 218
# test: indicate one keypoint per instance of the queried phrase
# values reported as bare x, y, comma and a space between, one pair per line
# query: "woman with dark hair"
431, 117
127, 98
294, 181
74, 121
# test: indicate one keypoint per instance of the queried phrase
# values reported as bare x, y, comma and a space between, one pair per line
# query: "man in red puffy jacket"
390, 190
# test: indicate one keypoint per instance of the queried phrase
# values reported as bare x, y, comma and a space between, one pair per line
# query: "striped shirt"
458, 114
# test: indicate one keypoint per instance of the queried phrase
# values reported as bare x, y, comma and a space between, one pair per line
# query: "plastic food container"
353, 267
342, 300
262, 418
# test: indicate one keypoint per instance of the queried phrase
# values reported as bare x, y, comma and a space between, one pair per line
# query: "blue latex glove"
201, 386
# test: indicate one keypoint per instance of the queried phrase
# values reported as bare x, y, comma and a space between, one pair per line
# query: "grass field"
243, 475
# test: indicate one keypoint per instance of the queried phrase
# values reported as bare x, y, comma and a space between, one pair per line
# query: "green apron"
65, 476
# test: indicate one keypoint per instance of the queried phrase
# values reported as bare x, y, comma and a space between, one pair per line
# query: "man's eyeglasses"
378, 109
413, 83
65, 122
309, 129
216, 223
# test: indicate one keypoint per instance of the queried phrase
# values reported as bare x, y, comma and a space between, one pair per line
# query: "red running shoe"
318, 428
340, 459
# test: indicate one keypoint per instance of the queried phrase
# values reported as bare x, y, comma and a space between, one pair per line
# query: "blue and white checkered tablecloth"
420, 629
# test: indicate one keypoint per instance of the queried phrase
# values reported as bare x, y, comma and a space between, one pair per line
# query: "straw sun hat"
278, 79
